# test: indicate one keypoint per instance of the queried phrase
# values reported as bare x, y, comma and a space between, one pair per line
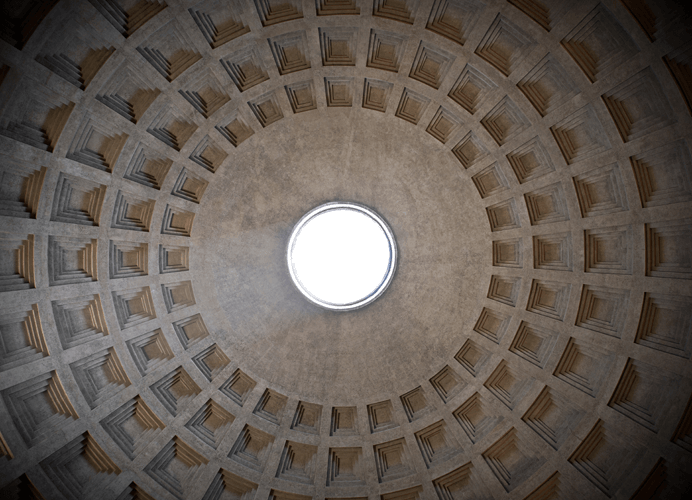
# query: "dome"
531, 159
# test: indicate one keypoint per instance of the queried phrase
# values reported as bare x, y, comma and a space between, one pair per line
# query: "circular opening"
341, 256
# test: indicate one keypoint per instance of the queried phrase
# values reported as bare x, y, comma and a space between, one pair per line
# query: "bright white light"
341, 256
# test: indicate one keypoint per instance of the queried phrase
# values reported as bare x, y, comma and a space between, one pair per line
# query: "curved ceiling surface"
531, 158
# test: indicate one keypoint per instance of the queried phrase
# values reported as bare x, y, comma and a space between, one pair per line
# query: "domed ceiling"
531, 158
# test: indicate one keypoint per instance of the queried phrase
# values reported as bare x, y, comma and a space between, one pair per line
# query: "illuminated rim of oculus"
341, 256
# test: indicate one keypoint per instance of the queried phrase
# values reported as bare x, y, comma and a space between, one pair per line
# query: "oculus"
341, 256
